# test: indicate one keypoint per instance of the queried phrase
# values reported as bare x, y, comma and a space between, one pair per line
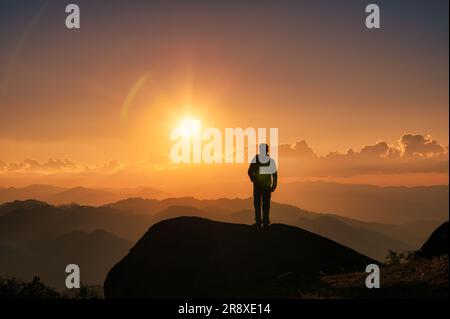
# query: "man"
263, 174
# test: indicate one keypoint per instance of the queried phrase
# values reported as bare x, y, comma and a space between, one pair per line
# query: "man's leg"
266, 194
257, 204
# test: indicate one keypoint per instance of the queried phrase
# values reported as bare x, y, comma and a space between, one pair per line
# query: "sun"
190, 127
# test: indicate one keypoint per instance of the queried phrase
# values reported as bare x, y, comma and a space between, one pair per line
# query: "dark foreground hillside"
422, 278
200, 257
423, 275
196, 257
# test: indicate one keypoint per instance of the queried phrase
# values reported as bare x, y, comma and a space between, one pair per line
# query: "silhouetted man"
263, 174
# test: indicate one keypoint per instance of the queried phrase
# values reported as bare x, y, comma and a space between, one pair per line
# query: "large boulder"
195, 257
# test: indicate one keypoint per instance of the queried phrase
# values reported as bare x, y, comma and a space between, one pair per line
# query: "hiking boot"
257, 225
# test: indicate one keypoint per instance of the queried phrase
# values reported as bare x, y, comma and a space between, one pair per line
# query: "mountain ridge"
369, 203
128, 219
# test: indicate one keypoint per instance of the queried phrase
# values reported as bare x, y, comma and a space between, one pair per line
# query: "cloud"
55, 165
413, 153
379, 150
110, 166
419, 145
31, 165
299, 149
50, 165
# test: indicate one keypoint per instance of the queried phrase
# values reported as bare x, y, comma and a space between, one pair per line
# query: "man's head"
263, 149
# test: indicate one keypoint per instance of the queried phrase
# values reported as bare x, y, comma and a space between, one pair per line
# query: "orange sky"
113, 90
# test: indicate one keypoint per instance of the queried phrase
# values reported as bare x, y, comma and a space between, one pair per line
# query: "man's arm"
274, 181
252, 171
274, 175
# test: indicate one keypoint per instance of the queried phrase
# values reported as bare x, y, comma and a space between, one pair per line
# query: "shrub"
17, 289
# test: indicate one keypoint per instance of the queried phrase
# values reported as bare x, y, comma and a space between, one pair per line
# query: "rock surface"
437, 244
189, 257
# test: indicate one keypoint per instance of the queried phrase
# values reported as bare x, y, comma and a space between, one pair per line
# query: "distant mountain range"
372, 239
392, 205
388, 205
79, 195
37, 238
48, 255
